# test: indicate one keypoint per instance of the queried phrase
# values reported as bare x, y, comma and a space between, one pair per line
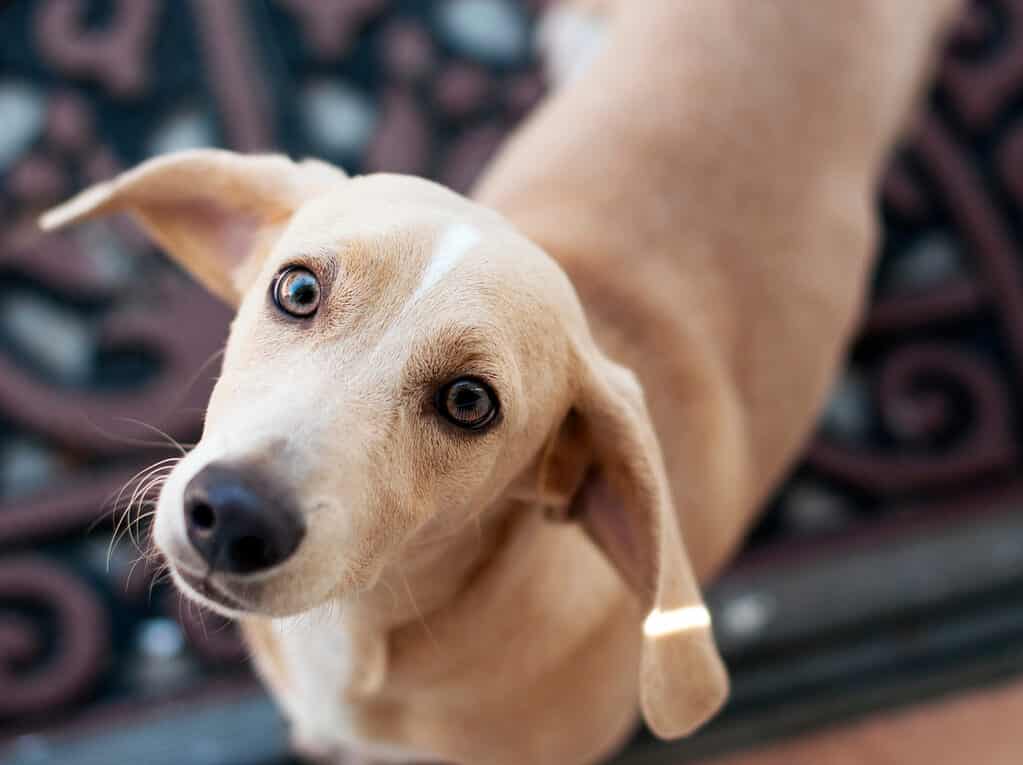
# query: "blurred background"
888, 569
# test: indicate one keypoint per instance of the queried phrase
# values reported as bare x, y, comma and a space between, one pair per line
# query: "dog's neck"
345, 645
412, 618
432, 568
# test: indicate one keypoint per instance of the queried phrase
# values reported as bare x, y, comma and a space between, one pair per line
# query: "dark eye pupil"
303, 291
466, 397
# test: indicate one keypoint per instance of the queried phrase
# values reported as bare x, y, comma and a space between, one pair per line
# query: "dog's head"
400, 357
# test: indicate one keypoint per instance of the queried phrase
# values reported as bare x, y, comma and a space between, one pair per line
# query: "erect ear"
606, 467
209, 209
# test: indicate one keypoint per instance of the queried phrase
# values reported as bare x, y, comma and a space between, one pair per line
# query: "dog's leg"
314, 755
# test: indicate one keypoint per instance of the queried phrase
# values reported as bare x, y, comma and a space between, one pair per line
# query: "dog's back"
706, 178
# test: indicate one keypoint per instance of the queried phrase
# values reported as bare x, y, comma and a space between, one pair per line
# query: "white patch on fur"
569, 39
318, 653
316, 650
454, 243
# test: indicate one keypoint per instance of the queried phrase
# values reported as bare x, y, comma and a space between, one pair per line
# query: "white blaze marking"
660, 623
454, 244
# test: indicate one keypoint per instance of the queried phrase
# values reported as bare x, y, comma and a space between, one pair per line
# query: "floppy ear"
610, 471
209, 209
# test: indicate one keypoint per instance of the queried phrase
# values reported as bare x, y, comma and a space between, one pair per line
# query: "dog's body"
706, 183
722, 158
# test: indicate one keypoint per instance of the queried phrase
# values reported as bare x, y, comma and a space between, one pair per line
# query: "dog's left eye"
468, 403
297, 292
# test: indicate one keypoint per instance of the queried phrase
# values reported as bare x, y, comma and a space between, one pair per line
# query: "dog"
469, 460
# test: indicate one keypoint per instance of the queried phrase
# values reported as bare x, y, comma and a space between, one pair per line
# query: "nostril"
202, 517
250, 553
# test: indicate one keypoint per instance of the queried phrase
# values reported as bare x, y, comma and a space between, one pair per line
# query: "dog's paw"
568, 36
313, 751
331, 757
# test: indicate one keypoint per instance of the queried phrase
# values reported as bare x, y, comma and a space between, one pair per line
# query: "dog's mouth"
208, 590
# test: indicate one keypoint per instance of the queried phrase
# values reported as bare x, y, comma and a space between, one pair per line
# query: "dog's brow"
451, 350
454, 243
326, 261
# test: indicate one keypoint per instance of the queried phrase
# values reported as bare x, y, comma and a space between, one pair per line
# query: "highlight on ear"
622, 499
210, 209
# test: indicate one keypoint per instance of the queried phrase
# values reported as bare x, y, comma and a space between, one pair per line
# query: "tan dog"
413, 389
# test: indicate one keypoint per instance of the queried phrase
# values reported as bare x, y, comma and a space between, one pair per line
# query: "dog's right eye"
297, 292
468, 403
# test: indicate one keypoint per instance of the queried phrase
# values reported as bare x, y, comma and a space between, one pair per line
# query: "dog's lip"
209, 590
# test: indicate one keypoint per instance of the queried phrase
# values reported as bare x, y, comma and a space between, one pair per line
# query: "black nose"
237, 522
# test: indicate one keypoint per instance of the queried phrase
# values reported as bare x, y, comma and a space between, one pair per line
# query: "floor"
978, 728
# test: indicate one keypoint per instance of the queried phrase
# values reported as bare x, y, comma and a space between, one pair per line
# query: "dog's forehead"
409, 250
415, 234
382, 206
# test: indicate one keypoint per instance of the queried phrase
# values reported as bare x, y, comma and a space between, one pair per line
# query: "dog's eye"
297, 292
468, 403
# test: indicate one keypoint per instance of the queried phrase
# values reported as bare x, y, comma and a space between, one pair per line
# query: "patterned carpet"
889, 556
